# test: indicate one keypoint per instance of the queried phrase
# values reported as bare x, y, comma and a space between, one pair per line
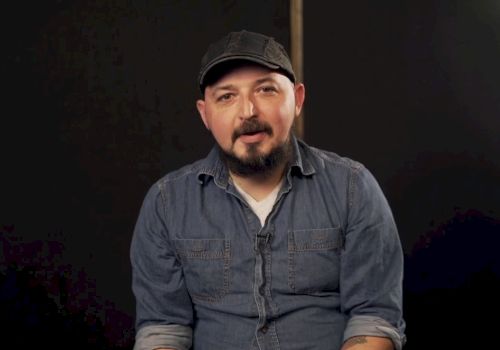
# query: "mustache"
252, 126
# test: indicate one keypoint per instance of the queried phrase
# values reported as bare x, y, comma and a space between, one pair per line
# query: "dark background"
98, 103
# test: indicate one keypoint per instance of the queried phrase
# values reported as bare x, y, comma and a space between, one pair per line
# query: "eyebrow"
223, 87
230, 87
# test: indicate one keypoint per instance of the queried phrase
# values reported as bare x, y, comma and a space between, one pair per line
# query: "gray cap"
246, 46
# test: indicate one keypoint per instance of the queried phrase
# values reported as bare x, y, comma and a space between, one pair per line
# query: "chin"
253, 151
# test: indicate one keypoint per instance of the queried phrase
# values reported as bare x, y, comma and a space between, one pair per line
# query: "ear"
300, 95
200, 105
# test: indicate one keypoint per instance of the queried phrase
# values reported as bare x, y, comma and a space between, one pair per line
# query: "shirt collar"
214, 167
301, 158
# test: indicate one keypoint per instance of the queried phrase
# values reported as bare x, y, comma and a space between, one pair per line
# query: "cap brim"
232, 58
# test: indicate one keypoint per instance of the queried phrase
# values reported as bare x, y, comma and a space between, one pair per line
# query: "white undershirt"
263, 207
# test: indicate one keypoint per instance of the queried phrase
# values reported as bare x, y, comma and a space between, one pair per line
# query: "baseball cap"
245, 46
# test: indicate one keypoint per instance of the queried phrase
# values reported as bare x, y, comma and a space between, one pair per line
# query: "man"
267, 243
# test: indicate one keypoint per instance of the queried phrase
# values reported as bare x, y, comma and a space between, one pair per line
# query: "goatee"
257, 164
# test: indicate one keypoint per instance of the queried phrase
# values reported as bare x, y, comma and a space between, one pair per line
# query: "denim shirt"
326, 266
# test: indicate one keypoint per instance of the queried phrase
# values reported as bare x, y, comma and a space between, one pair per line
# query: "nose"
247, 108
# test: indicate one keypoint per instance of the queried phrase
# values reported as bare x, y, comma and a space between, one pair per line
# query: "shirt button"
264, 329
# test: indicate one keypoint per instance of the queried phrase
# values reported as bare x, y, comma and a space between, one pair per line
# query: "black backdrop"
98, 102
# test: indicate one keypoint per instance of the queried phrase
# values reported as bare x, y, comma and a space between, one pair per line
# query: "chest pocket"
314, 260
205, 263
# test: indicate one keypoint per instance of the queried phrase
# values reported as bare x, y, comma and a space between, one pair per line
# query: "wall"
412, 90
98, 102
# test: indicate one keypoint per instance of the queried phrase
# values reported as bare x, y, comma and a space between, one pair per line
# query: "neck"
260, 185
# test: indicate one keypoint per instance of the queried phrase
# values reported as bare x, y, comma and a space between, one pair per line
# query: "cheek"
222, 131
286, 118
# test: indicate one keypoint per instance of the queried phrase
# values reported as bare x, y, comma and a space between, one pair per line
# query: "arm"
371, 269
368, 343
158, 337
164, 312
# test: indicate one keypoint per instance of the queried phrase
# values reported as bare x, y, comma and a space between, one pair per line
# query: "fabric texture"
327, 265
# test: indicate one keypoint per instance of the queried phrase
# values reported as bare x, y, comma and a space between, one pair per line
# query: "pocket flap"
316, 239
202, 248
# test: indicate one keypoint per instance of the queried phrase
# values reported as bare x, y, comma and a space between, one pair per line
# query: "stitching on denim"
351, 189
272, 304
316, 229
294, 248
163, 195
274, 337
204, 255
326, 241
356, 168
227, 264
291, 262
173, 176
307, 247
217, 255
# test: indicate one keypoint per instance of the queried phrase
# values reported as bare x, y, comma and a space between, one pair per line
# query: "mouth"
252, 136
252, 132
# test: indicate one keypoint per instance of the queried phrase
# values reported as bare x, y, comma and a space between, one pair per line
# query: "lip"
253, 138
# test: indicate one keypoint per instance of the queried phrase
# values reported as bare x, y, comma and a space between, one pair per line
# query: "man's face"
250, 111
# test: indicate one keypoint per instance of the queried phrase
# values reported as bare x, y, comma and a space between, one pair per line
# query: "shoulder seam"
332, 157
180, 173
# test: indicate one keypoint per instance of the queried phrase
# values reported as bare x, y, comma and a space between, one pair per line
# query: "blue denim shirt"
326, 266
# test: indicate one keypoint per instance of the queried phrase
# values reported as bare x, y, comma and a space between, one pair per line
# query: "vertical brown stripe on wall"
296, 48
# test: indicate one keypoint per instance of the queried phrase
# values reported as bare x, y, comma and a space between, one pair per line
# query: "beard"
256, 163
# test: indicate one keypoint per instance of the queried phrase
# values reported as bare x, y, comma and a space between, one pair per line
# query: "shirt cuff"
173, 336
373, 326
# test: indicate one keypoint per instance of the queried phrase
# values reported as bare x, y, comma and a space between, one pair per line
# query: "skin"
368, 343
252, 92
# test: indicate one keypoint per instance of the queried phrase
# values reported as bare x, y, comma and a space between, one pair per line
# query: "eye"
268, 89
225, 97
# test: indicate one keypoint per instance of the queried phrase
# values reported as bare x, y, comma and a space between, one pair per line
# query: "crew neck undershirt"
263, 207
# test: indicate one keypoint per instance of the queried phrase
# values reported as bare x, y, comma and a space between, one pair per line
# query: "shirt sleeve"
371, 264
164, 312
170, 336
